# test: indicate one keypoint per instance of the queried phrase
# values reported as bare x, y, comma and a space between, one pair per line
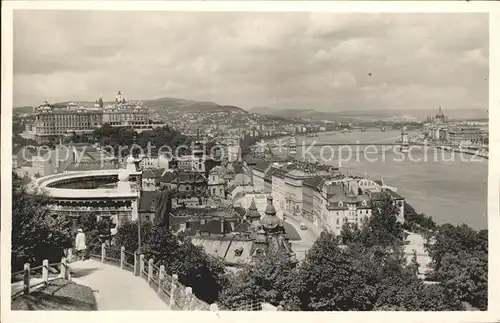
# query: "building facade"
51, 122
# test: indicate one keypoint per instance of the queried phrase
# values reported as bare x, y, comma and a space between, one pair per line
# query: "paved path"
114, 288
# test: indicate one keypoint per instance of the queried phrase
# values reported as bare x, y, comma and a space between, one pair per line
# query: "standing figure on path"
80, 245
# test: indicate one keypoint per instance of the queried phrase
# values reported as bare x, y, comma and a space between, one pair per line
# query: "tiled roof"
214, 247
212, 226
250, 160
240, 210
189, 177
378, 196
394, 195
148, 173
227, 212
89, 166
261, 165
219, 170
312, 181
244, 258
169, 177
158, 172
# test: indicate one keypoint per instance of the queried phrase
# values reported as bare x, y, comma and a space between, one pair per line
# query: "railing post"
70, 254
136, 264
103, 252
45, 271
161, 276
172, 289
122, 257
64, 269
141, 265
188, 298
150, 269
26, 279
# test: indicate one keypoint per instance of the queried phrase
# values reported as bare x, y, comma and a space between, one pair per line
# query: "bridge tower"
292, 152
405, 142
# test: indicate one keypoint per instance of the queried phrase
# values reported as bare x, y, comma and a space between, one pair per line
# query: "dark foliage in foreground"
366, 269
202, 272
36, 234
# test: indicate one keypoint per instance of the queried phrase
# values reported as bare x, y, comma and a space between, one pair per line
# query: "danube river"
450, 187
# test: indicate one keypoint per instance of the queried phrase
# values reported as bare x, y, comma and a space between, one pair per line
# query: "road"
307, 237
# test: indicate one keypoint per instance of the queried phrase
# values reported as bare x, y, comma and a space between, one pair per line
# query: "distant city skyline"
320, 61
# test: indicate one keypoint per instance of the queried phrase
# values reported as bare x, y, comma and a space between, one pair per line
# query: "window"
238, 252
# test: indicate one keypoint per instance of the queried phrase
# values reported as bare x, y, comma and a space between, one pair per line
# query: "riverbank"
477, 153
450, 187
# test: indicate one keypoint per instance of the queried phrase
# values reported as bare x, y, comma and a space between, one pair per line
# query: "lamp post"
139, 250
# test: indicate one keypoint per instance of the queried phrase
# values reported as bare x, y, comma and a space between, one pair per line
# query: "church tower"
198, 155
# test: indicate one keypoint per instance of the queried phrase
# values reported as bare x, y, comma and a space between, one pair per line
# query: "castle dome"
440, 114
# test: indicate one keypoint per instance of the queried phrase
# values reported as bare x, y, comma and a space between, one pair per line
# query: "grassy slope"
59, 295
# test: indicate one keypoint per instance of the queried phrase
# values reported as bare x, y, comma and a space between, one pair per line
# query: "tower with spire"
270, 222
253, 216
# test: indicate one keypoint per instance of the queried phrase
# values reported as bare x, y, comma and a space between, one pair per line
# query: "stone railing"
31, 278
168, 287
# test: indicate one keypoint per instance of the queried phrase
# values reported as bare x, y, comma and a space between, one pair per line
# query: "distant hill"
163, 105
23, 109
351, 115
178, 105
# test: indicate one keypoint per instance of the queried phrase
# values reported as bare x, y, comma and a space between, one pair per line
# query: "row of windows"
357, 220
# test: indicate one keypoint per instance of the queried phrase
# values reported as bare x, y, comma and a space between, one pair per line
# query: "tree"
273, 280
332, 278
464, 276
384, 227
204, 273
416, 221
127, 235
460, 262
95, 229
453, 239
36, 234
414, 265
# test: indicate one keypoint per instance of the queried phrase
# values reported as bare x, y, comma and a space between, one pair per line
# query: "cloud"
324, 61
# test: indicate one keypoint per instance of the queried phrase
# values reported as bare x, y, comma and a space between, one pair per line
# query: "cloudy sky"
323, 61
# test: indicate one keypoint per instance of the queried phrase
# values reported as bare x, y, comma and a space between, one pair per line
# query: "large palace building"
53, 122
